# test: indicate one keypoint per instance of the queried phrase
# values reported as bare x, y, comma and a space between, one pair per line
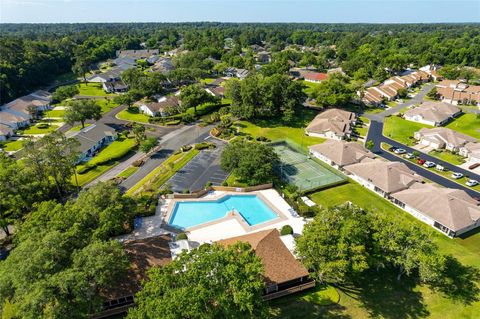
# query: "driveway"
204, 168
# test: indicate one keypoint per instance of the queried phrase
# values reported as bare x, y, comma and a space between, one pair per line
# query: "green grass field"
447, 156
309, 87
134, 115
77, 128
401, 130
11, 146
128, 172
35, 129
117, 148
106, 104
89, 176
467, 124
384, 297
92, 89
276, 129
54, 113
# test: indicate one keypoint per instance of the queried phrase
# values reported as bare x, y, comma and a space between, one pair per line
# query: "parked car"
457, 175
421, 161
440, 168
392, 149
409, 156
399, 151
471, 182
429, 164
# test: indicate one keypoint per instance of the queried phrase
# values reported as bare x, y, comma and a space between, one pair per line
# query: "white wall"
146, 110
329, 135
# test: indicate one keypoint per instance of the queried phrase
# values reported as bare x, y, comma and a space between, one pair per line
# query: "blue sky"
343, 11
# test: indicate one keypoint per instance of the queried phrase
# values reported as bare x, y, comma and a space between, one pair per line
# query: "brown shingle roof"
434, 111
279, 264
335, 120
343, 153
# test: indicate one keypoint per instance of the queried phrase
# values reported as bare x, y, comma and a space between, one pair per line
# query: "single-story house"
108, 76
39, 101
136, 54
443, 138
160, 107
451, 211
5, 131
383, 177
218, 91
340, 153
234, 72
115, 86
457, 92
333, 124
92, 138
471, 151
314, 77
142, 255
163, 65
14, 120
282, 270
433, 113
263, 57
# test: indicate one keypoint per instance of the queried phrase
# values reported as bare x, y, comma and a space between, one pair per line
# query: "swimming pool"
193, 213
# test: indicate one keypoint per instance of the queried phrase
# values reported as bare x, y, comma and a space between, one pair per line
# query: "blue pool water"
253, 210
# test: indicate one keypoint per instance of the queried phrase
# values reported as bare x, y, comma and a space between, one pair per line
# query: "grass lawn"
134, 115
401, 130
32, 130
447, 156
373, 110
77, 128
92, 174
128, 172
92, 89
276, 129
161, 174
11, 146
467, 124
309, 87
234, 181
106, 104
54, 113
383, 296
118, 148
207, 80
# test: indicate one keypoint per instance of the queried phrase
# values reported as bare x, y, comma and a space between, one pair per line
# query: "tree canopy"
82, 110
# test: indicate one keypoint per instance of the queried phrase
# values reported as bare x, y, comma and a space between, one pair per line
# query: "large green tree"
82, 110
207, 282
194, 95
335, 91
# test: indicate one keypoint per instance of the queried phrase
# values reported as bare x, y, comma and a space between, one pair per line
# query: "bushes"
43, 125
181, 236
286, 230
204, 145
137, 163
174, 122
186, 148
263, 139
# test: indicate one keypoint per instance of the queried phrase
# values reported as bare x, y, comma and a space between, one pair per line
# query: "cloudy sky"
394, 11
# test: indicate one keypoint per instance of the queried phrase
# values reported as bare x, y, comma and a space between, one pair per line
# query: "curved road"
375, 133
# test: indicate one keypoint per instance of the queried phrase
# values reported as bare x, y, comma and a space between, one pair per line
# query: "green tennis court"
296, 167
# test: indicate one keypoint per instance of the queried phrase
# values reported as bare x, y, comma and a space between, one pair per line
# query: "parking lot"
204, 168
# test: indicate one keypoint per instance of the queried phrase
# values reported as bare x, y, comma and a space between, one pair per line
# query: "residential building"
5, 131
163, 65
92, 138
281, 270
19, 112
458, 92
234, 72
471, 151
442, 138
263, 57
333, 124
451, 211
110, 75
383, 177
314, 77
215, 90
14, 121
340, 153
136, 54
115, 86
160, 107
433, 113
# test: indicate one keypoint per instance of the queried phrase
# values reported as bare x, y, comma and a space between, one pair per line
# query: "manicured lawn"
92, 174
106, 104
207, 80
54, 113
128, 172
12, 146
383, 296
467, 124
35, 129
133, 114
77, 128
447, 156
276, 129
116, 149
373, 110
234, 181
92, 89
401, 130
161, 174
309, 87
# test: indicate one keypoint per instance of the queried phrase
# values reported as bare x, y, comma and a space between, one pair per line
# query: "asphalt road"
375, 133
169, 143
204, 168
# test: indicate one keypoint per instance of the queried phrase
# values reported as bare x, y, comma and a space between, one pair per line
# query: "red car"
421, 161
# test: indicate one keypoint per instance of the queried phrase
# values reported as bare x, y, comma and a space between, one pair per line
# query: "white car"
409, 156
457, 175
399, 151
471, 182
429, 164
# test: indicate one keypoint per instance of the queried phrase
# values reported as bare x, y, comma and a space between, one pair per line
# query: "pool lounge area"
251, 210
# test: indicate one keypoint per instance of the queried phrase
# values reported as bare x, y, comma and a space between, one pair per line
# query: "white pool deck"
227, 228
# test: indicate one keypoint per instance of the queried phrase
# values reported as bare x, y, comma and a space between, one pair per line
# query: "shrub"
174, 122
204, 145
186, 191
286, 230
186, 148
82, 169
43, 125
181, 236
188, 118
262, 139
215, 132
137, 163
208, 184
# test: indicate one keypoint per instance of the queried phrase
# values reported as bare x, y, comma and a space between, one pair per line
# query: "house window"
442, 228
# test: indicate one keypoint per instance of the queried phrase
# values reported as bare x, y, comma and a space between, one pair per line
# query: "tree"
64, 92
53, 156
82, 110
138, 131
335, 91
194, 95
334, 246
207, 282
433, 94
148, 144
129, 98
252, 162
402, 93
